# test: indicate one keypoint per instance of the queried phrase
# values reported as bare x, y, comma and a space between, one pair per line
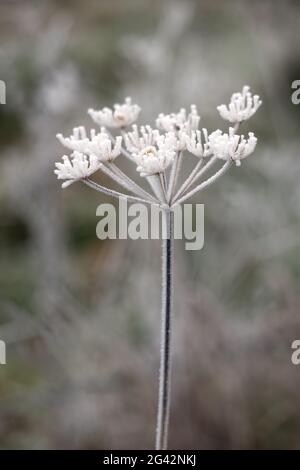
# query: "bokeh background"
80, 316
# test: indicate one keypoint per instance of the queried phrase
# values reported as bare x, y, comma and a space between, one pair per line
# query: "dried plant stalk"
164, 395
154, 153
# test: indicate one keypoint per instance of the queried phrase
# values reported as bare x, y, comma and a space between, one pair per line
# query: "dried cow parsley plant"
158, 155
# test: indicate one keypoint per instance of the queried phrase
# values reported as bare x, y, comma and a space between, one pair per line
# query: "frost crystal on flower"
97, 144
241, 107
179, 121
232, 146
136, 140
102, 147
181, 140
122, 115
196, 146
78, 140
78, 167
154, 159
157, 150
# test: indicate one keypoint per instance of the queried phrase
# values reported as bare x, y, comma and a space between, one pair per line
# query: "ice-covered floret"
78, 140
198, 145
77, 167
138, 139
102, 147
231, 146
154, 150
98, 144
179, 121
122, 115
154, 159
241, 107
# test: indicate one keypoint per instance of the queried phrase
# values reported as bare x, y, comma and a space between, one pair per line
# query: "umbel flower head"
78, 140
75, 168
158, 153
122, 115
231, 146
97, 144
197, 145
180, 121
137, 139
242, 106
154, 159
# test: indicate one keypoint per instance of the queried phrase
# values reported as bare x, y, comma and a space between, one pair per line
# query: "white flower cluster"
87, 151
242, 106
99, 144
179, 121
75, 168
137, 140
155, 150
151, 151
154, 159
195, 144
231, 145
122, 115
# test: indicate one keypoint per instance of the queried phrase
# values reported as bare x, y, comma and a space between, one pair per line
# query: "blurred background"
80, 316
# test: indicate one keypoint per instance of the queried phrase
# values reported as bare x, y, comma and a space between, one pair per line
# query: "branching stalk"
163, 186
156, 186
109, 172
139, 191
190, 179
205, 183
174, 174
110, 192
198, 175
